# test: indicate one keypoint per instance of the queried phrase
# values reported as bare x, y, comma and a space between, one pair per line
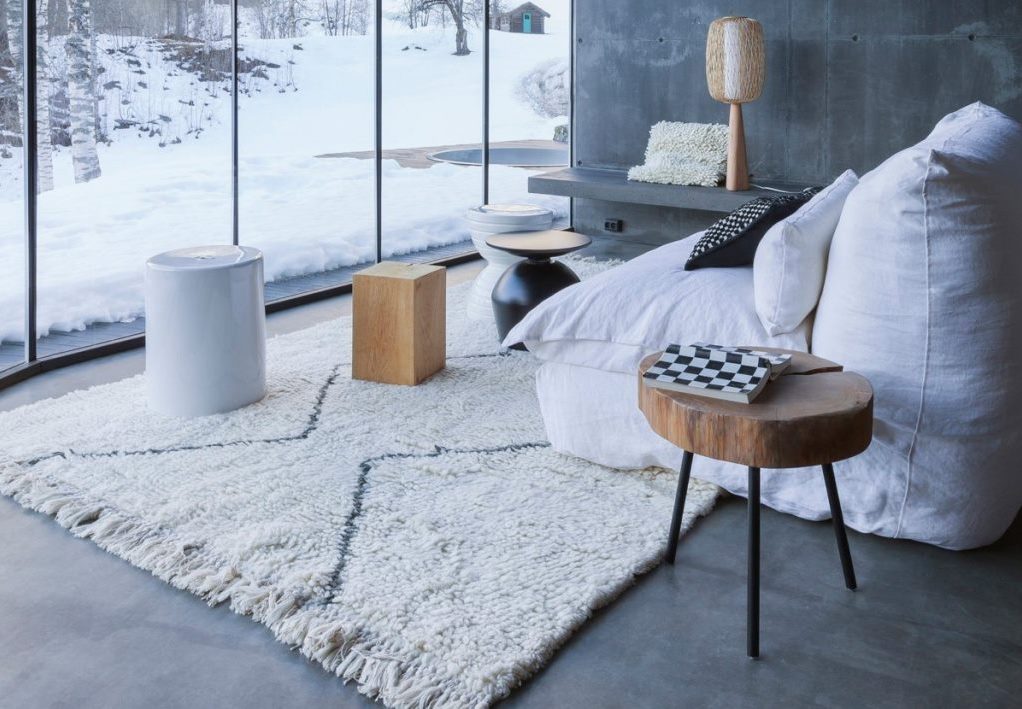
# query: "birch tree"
346, 17
15, 37
80, 78
43, 89
10, 122
94, 89
15, 45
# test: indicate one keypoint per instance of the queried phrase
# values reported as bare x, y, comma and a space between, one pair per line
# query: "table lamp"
735, 71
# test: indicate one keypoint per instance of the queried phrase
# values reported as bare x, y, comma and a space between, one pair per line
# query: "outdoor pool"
513, 157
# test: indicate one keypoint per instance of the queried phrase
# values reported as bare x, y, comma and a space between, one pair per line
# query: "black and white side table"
528, 283
814, 414
491, 220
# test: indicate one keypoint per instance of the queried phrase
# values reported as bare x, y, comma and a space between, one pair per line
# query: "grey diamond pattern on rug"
425, 542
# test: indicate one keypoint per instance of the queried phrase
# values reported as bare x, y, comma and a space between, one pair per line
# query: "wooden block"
400, 322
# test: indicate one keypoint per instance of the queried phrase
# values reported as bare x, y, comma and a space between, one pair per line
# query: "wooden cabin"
527, 18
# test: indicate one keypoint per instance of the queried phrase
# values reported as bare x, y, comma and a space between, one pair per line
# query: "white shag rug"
424, 541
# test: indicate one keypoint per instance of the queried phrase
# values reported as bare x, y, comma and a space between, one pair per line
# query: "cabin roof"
527, 7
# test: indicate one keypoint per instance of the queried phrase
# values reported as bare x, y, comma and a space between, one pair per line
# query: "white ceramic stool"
205, 330
493, 219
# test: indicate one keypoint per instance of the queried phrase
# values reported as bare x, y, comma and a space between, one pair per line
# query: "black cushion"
732, 241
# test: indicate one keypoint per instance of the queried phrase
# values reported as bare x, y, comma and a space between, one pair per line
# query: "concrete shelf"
614, 186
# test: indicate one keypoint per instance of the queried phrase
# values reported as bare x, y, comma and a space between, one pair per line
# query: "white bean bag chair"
922, 296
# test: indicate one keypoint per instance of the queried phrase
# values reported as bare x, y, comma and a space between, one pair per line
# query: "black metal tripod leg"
753, 580
839, 526
679, 507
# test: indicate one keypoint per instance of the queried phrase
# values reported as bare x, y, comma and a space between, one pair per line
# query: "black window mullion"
235, 194
486, 101
378, 128
30, 142
571, 104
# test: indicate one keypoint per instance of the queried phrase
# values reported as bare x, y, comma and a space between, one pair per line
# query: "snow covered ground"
306, 213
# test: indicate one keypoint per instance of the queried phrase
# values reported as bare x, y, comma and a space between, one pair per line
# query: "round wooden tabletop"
814, 413
544, 244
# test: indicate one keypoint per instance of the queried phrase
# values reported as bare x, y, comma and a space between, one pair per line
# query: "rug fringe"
381, 669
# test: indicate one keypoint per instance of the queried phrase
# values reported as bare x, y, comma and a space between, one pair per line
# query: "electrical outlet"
615, 226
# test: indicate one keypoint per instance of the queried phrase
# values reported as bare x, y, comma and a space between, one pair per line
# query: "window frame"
33, 364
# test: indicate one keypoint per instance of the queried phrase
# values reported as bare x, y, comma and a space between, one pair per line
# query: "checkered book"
728, 373
778, 362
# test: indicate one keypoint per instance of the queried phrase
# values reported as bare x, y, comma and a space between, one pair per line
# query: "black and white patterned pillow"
732, 241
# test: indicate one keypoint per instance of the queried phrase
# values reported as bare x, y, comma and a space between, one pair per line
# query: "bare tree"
460, 11
413, 14
283, 18
208, 20
331, 16
181, 18
80, 67
498, 8
345, 17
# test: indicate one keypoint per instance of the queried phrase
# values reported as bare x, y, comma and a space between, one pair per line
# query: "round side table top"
523, 216
542, 244
814, 413
204, 258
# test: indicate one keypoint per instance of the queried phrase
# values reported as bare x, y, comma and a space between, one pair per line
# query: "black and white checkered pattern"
753, 217
713, 369
775, 360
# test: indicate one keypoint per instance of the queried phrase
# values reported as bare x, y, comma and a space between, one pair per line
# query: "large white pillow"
791, 260
612, 320
922, 296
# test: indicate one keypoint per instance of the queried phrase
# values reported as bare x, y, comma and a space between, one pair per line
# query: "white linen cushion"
922, 297
791, 260
612, 320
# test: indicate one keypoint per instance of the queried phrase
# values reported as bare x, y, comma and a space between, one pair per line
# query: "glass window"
135, 118
306, 186
432, 127
12, 210
530, 93
134, 155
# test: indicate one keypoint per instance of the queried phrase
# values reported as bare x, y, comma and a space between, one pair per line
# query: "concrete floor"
81, 628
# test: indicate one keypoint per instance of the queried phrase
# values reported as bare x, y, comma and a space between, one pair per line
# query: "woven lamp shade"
735, 59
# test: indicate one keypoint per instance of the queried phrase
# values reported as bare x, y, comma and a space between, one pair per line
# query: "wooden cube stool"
399, 330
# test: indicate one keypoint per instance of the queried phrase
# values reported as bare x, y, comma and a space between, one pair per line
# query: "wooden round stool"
813, 414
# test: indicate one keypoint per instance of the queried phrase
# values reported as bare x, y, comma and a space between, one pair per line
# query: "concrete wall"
849, 82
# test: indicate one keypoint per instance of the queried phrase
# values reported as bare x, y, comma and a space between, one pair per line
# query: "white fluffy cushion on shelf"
611, 321
922, 297
791, 260
684, 154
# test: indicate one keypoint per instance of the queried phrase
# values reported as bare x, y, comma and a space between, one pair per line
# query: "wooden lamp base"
737, 163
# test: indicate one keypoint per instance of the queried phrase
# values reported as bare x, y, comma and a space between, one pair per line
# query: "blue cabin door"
527, 23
